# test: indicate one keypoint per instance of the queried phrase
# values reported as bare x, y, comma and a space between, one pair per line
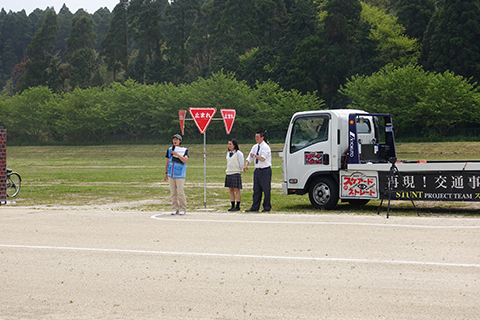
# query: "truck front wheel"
323, 193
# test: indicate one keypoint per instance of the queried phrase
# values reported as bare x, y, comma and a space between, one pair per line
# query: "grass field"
131, 177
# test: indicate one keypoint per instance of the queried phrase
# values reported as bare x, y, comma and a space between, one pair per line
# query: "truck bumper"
287, 191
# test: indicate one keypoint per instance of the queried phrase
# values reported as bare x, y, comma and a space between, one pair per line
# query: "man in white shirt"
261, 155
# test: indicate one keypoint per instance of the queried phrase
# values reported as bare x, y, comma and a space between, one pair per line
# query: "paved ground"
104, 264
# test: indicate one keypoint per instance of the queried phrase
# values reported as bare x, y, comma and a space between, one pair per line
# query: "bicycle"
14, 182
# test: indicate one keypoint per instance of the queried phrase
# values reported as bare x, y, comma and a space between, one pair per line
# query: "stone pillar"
3, 166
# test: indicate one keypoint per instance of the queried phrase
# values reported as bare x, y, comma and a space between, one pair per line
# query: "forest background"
123, 75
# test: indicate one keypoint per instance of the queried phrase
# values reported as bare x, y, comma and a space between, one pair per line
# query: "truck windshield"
307, 131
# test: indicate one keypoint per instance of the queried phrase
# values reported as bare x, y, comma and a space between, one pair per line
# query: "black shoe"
235, 209
251, 210
232, 209
265, 210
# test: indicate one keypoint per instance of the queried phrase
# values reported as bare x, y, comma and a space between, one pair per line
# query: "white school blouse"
235, 162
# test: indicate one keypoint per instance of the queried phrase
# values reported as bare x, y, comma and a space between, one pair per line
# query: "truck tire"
323, 193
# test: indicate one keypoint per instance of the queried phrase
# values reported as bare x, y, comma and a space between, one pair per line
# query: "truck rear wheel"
323, 193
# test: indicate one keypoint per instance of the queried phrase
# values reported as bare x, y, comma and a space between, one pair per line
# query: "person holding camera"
175, 172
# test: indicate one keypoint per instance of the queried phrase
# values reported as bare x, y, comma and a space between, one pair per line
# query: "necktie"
258, 150
231, 154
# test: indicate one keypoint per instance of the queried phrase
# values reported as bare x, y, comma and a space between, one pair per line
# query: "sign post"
202, 118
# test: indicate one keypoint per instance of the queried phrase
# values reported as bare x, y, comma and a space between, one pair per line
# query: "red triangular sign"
228, 116
181, 117
202, 117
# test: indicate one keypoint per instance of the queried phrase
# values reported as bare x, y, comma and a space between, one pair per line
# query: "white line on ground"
227, 255
161, 217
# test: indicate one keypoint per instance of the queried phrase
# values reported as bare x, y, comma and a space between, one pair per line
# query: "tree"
145, 17
388, 38
237, 27
15, 35
391, 90
115, 43
452, 39
415, 15
101, 19
448, 100
28, 116
43, 66
22, 35
308, 72
435, 102
200, 45
302, 23
80, 53
180, 16
341, 32
271, 16
145, 26
65, 23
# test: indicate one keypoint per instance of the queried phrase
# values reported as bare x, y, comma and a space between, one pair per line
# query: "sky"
29, 5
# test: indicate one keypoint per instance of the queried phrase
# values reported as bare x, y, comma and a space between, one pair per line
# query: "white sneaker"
174, 213
181, 213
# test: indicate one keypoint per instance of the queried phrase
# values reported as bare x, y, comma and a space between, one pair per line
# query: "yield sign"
228, 116
202, 117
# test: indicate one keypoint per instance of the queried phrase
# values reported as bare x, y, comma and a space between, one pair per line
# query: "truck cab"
319, 144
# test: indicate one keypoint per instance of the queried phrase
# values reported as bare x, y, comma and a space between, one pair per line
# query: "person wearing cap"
261, 155
175, 172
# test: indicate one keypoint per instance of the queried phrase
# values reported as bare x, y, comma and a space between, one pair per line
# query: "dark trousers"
262, 180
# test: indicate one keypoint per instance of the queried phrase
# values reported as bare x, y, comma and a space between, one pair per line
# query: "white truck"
350, 155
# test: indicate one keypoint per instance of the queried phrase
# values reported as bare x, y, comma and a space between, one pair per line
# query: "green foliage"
138, 110
42, 68
80, 53
115, 43
81, 35
186, 49
223, 91
65, 23
452, 39
391, 44
29, 117
144, 18
180, 16
435, 102
276, 105
84, 115
447, 101
415, 15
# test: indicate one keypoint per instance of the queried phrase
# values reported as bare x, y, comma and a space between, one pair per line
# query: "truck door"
309, 149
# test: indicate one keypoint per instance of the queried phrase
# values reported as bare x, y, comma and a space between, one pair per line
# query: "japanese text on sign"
359, 185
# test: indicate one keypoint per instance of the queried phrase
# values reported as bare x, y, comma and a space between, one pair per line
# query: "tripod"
392, 173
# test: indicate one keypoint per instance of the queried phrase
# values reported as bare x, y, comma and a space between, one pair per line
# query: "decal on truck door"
313, 157
363, 185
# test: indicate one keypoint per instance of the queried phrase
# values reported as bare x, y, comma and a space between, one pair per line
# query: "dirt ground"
100, 263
